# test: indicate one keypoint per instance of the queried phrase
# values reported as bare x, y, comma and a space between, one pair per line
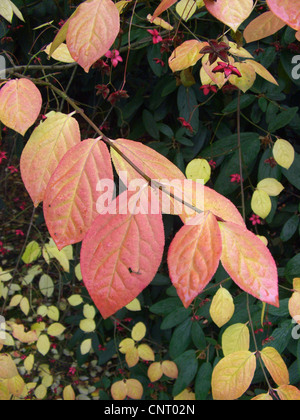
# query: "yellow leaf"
186, 9
132, 357
235, 338
86, 346
4, 392
32, 252
198, 170
8, 8
47, 380
53, 313
40, 392
78, 272
29, 362
263, 239
169, 369
56, 329
262, 397
186, 55
145, 352
186, 395
296, 284
294, 306
87, 325
68, 393
119, 390
262, 71
138, 331
218, 79
15, 385
248, 76
134, 306
284, 153
120, 5
275, 365
134, 389
43, 344
288, 393
15, 301
51, 251
222, 307
75, 300
5, 275
271, 186
155, 371
261, 204
7, 367
61, 53
46, 285
126, 345
160, 22
238, 51
89, 311
233, 375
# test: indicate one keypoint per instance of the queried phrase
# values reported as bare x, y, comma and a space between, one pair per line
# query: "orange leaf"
164, 5
233, 375
169, 369
275, 365
231, 12
286, 10
249, 263
262, 397
288, 393
194, 256
294, 306
44, 150
71, 195
263, 26
134, 389
120, 255
119, 390
262, 71
92, 31
20, 104
186, 55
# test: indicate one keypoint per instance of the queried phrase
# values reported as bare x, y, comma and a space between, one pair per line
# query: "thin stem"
240, 154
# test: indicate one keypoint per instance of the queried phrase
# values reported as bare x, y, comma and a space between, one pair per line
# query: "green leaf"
227, 145
32, 253
187, 364
282, 119
164, 307
265, 170
198, 336
293, 173
181, 339
203, 381
150, 124
289, 228
175, 318
245, 101
293, 267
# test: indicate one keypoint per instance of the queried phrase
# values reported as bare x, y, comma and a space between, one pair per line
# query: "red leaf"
92, 31
194, 257
20, 104
249, 263
164, 5
45, 148
286, 10
121, 254
71, 195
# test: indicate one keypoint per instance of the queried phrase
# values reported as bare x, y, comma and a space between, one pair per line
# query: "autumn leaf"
288, 393
249, 263
20, 104
71, 195
284, 153
286, 10
194, 256
231, 12
92, 31
275, 365
222, 307
45, 148
235, 338
233, 375
261, 203
248, 76
120, 256
164, 5
262, 71
263, 26
186, 55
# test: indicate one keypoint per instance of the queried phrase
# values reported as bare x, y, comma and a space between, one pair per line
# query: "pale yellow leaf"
186, 395
87, 325
134, 306
119, 390
262, 397
68, 393
155, 371
15, 301
132, 357
198, 170
78, 272
56, 329
86, 346
126, 345
75, 300
134, 389
53, 313
235, 338
46, 285
186, 9
20, 334
7, 367
61, 54
248, 76
288, 393
40, 392
138, 331
47, 381
145, 352
170, 369
29, 362
261, 204
89, 311
222, 307
275, 365
160, 22
284, 153
24, 305
262, 71
32, 252
15, 385
271, 186
43, 344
